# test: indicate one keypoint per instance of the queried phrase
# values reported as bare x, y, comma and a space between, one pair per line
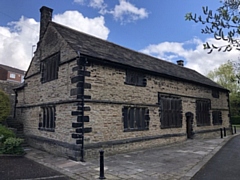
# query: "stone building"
82, 94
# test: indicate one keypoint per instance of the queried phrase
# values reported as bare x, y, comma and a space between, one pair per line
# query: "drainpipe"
230, 122
15, 103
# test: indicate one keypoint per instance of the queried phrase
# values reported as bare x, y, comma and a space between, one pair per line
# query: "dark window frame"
47, 118
215, 93
50, 67
217, 117
170, 109
203, 112
135, 78
135, 118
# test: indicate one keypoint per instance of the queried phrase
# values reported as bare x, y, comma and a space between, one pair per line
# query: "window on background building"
202, 112
135, 118
215, 93
47, 118
170, 111
49, 68
135, 78
217, 117
12, 75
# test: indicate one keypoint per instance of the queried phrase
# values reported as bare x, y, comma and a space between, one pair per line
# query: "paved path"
179, 161
224, 165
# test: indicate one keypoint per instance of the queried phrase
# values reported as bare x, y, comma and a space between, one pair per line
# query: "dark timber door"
189, 123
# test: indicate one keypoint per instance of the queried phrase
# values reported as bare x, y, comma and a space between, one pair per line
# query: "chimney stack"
180, 62
46, 16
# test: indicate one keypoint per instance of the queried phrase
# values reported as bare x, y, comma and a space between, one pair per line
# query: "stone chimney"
46, 16
180, 62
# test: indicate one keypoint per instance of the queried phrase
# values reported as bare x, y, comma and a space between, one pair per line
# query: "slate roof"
102, 49
11, 69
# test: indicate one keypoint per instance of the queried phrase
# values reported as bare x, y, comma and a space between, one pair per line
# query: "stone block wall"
109, 94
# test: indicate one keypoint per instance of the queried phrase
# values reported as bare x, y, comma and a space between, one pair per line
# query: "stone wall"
111, 94
108, 96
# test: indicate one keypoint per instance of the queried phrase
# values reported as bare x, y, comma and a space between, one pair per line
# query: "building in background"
8, 73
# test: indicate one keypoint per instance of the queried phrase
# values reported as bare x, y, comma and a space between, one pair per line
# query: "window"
170, 111
47, 118
135, 78
217, 117
202, 112
49, 68
215, 93
135, 118
12, 75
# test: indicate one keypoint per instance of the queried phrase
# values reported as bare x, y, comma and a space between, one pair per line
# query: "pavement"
177, 161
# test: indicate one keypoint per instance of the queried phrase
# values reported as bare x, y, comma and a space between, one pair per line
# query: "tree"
224, 25
226, 76
4, 106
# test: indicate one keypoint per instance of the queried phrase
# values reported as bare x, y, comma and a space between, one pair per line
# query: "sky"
155, 27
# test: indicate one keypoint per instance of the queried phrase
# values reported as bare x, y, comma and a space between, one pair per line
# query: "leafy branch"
224, 24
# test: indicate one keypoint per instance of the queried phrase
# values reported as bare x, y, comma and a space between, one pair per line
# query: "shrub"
235, 119
4, 106
5, 133
12, 145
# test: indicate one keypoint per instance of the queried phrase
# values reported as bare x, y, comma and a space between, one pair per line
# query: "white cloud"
99, 4
17, 39
124, 12
127, 12
195, 57
79, 1
77, 21
16, 42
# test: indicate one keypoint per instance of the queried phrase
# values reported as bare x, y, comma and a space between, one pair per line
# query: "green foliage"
12, 146
235, 119
5, 106
227, 76
5, 133
223, 24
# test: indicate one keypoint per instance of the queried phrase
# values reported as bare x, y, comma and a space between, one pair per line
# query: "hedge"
235, 119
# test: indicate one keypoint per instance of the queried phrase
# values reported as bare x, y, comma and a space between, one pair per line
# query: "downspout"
229, 115
15, 103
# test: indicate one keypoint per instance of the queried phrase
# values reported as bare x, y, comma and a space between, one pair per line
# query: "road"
224, 165
12, 168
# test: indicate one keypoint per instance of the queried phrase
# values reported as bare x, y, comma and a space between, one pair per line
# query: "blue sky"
155, 27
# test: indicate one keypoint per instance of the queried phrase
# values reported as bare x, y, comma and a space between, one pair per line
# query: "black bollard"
224, 131
101, 176
235, 130
221, 132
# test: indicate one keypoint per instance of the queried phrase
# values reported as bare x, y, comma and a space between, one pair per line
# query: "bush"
5, 106
235, 119
5, 133
12, 146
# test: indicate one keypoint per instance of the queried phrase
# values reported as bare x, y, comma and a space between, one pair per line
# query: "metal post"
221, 132
235, 130
224, 131
101, 176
